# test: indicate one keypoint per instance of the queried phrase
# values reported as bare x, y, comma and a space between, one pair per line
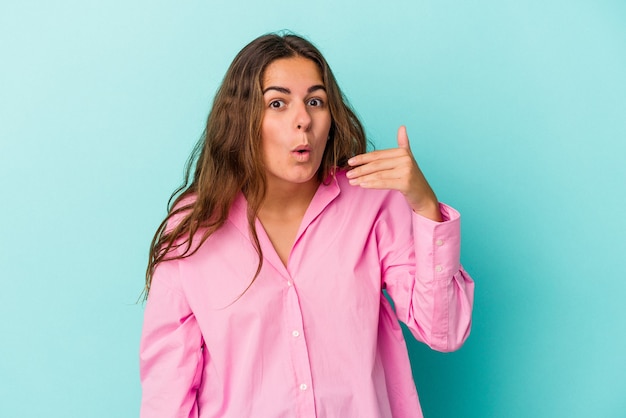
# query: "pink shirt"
316, 338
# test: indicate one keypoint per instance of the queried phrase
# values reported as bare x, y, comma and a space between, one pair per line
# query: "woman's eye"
315, 102
276, 104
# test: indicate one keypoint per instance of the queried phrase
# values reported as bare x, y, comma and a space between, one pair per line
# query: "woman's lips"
301, 155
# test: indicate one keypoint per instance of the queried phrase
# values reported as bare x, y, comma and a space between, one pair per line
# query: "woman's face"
296, 121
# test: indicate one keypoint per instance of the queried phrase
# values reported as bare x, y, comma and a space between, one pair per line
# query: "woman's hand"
396, 169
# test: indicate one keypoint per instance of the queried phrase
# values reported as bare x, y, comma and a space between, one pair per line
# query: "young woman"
264, 285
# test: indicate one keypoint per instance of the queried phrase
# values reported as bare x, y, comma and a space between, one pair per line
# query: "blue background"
516, 112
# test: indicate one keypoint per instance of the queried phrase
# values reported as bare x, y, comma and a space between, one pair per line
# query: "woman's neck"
288, 198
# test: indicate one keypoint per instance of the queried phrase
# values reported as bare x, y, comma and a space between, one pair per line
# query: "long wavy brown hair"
227, 158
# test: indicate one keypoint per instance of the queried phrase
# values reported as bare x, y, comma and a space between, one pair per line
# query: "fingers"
387, 169
381, 167
376, 155
393, 173
403, 138
369, 164
395, 169
403, 146
391, 179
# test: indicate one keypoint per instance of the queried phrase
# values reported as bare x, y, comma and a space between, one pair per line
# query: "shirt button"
288, 282
295, 333
303, 386
439, 242
438, 269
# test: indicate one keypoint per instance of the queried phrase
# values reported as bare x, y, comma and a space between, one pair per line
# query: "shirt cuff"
437, 244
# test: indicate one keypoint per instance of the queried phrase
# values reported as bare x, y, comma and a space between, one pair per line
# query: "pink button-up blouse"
314, 338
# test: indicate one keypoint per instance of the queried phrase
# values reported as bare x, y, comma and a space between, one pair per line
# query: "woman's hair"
227, 158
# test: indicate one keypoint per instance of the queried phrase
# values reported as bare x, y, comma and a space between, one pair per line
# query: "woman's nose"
303, 119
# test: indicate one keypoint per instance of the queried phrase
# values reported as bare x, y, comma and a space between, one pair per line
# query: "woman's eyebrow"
285, 90
279, 89
316, 87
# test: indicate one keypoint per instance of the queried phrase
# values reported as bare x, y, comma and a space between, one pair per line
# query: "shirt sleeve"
432, 293
171, 358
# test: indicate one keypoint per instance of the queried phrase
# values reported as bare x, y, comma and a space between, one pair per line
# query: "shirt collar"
327, 191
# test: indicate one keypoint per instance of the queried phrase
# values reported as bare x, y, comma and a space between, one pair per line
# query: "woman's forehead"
292, 70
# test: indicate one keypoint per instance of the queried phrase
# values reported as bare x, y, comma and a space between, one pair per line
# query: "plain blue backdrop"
516, 112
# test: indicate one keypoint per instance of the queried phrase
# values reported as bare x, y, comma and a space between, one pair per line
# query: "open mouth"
301, 150
301, 154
